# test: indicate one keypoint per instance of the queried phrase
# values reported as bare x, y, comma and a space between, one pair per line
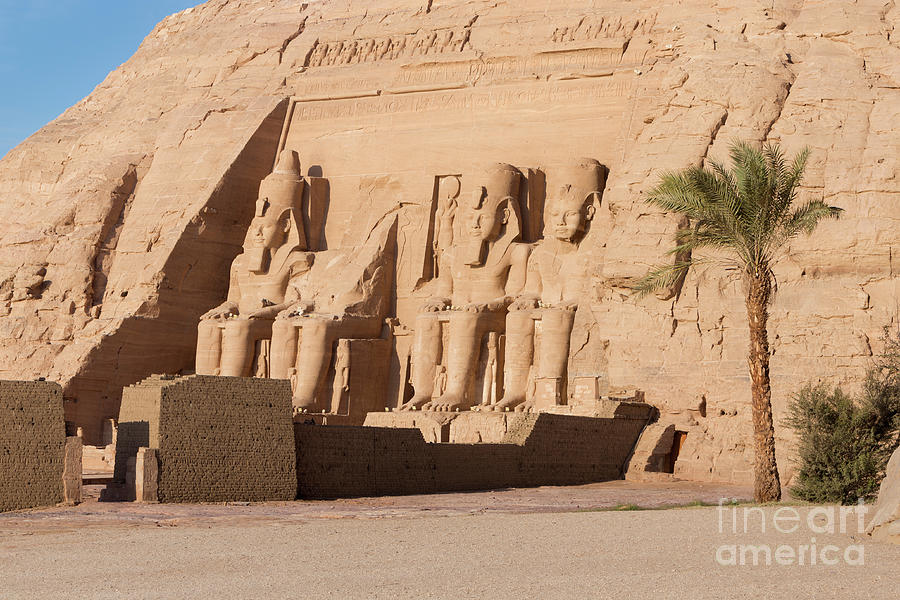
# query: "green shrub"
844, 443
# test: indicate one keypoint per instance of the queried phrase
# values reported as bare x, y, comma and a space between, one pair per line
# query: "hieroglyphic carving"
501, 68
592, 28
411, 45
588, 59
469, 100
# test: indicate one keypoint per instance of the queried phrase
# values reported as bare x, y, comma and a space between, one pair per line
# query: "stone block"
33, 448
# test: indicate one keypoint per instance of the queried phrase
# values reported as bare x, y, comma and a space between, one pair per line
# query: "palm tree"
746, 216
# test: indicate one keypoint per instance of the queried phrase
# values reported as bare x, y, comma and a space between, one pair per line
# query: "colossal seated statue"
478, 276
555, 282
287, 308
274, 253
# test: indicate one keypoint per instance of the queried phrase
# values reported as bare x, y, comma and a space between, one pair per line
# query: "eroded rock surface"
123, 216
885, 525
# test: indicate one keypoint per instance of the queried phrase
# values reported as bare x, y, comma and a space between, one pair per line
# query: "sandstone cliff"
122, 216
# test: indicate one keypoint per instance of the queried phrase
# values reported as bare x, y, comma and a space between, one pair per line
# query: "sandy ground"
544, 543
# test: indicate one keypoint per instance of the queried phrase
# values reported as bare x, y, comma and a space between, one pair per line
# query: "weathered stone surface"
885, 525
73, 481
34, 452
206, 439
532, 450
124, 215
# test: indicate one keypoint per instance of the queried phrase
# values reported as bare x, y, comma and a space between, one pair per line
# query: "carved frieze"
411, 45
595, 28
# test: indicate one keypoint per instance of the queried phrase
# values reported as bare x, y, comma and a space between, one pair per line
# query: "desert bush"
844, 443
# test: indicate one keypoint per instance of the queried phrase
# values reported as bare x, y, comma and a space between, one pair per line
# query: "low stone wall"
219, 439
32, 444
542, 449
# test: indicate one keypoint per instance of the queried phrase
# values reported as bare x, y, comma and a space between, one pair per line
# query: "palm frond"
748, 211
806, 218
707, 234
661, 277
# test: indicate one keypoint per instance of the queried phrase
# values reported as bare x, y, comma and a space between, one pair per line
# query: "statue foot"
446, 403
417, 401
526, 407
304, 405
507, 403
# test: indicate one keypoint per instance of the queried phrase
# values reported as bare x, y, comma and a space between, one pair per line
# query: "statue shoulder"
299, 262
238, 261
520, 251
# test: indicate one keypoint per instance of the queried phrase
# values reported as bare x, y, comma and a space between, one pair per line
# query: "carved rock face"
484, 224
267, 231
567, 217
144, 218
492, 204
571, 204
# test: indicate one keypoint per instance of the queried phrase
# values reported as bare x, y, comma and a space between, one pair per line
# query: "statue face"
267, 231
568, 215
485, 223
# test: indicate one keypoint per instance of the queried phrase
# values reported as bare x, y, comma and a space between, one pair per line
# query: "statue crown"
262, 207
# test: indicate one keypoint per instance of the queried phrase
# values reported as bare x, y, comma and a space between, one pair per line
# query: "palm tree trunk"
767, 486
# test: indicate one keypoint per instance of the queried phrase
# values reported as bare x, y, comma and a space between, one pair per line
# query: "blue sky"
54, 52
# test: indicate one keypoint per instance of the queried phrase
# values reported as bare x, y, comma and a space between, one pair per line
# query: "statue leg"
239, 343
425, 353
209, 347
518, 358
314, 358
285, 335
466, 330
556, 337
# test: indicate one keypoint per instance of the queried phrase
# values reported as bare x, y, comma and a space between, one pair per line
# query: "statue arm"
269, 312
515, 282
230, 306
531, 294
443, 287
294, 303
518, 270
440, 293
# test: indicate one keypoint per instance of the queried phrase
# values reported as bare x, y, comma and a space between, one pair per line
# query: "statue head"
493, 213
277, 221
574, 194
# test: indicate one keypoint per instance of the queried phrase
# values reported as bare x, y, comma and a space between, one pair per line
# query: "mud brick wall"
138, 421
571, 450
337, 461
470, 467
538, 450
220, 439
32, 444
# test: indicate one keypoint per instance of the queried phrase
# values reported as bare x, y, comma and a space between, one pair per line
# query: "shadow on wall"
161, 337
542, 449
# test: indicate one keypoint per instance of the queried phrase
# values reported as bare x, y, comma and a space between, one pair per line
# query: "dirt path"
497, 545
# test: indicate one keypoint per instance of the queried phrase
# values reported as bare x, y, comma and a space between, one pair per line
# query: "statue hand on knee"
492, 306
297, 310
223, 311
525, 303
435, 305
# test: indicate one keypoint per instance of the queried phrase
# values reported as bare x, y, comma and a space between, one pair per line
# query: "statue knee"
283, 328
237, 329
315, 328
207, 328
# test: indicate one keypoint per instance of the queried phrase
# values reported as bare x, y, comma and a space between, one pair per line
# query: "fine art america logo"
794, 533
